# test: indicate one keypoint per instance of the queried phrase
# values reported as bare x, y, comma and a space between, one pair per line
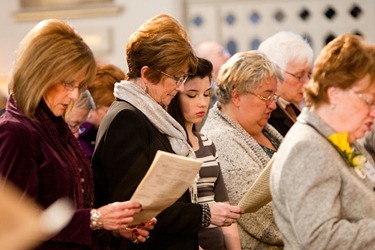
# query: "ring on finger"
134, 238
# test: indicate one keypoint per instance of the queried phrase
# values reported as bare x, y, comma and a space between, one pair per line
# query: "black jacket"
125, 148
281, 121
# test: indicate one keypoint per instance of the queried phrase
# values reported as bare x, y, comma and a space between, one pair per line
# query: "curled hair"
285, 47
341, 64
246, 72
51, 53
102, 87
160, 43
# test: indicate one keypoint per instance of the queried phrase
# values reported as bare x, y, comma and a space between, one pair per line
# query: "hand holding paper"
259, 193
169, 176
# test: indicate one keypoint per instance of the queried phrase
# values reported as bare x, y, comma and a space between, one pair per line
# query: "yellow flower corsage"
356, 160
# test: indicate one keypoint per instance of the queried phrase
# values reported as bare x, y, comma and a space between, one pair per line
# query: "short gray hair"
285, 47
85, 102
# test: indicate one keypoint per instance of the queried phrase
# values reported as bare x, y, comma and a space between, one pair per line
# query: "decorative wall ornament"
241, 25
35, 10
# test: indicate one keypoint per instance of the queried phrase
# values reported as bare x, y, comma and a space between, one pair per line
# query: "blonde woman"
38, 152
245, 142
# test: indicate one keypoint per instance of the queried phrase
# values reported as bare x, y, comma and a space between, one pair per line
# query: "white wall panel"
317, 27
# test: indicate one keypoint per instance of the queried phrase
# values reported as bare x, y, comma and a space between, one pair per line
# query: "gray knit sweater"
319, 201
241, 160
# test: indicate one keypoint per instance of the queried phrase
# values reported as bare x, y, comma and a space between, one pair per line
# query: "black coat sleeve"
126, 145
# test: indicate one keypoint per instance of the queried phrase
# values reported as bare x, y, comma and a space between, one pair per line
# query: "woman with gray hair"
245, 142
294, 55
78, 111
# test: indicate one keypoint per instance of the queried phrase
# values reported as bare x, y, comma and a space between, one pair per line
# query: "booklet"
168, 177
259, 193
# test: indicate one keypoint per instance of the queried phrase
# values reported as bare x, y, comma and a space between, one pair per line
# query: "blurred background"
237, 24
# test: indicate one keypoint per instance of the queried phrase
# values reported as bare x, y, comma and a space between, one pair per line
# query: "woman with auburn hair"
101, 90
160, 59
319, 196
39, 153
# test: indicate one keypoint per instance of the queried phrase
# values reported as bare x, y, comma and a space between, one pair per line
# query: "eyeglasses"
179, 79
76, 128
70, 86
369, 102
267, 100
301, 78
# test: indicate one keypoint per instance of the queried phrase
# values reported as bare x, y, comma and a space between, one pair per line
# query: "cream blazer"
319, 201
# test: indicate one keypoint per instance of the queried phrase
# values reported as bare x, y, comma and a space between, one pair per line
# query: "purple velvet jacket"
30, 158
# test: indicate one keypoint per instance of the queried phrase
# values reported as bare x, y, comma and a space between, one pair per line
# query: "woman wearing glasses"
136, 126
38, 152
294, 56
245, 142
319, 197
78, 111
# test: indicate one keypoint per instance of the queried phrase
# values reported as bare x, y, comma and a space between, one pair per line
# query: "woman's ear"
235, 97
144, 71
332, 95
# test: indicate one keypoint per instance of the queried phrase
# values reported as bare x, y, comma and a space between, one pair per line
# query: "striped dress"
211, 188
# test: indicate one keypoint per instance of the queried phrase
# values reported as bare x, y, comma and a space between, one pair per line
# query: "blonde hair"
51, 53
246, 72
3, 100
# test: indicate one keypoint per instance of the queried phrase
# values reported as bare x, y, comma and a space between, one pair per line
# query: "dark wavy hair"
204, 69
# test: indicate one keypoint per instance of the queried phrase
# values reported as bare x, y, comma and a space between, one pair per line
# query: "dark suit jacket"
281, 121
126, 145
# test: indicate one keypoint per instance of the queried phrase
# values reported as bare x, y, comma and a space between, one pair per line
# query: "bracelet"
95, 224
206, 215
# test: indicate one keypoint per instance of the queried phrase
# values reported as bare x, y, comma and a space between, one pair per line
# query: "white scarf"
165, 123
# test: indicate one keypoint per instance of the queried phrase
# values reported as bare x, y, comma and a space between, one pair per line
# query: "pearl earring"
333, 106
